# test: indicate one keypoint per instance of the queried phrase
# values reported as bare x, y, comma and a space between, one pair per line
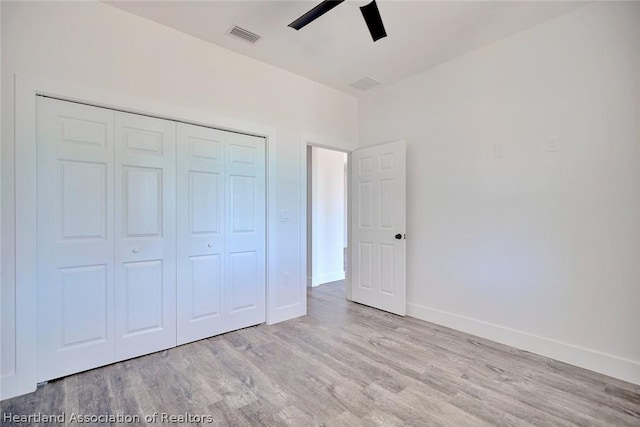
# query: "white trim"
347, 253
26, 90
24, 376
614, 366
315, 140
271, 296
303, 230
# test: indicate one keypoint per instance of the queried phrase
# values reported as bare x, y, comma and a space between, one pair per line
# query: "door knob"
210, 244
135, 251
398, 236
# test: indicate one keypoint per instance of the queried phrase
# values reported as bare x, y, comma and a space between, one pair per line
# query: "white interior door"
75, 237
145, 230
201, 232
378, 241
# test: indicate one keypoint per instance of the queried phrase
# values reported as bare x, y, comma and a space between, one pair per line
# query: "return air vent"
365, 83
244, 35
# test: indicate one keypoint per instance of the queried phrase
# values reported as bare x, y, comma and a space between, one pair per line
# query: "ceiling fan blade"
371, 16
315, 13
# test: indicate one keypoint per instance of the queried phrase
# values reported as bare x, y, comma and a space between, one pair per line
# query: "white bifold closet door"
221, 232
75, 227
143, 242
145, 230
106, 236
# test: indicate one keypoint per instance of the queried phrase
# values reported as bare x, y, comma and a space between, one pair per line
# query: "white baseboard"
333, 276
614, 366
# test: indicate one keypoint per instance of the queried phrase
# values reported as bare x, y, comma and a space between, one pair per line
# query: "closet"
150, 234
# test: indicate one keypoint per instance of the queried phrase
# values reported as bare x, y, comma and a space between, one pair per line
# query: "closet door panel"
245, 238
75, 237
205, 281
145, 218
142, 202
201, 236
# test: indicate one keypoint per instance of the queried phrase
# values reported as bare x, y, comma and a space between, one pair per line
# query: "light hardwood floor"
344, 364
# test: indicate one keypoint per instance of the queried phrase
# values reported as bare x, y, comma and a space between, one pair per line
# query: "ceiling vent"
365, 83
244, 35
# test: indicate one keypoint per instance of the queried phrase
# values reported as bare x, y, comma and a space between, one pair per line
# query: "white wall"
93, 45
328, 216
508, 239
6, 316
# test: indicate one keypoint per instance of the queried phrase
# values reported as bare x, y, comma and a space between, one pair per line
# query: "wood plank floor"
343, 364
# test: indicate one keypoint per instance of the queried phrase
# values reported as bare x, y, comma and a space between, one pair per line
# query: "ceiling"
337, 49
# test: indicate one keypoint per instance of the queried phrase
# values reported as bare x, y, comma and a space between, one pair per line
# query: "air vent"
244, 35
365, 83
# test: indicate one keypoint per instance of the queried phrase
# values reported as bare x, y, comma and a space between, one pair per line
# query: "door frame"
26, 89
319, 141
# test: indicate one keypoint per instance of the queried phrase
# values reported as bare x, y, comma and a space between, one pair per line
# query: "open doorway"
327, 216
